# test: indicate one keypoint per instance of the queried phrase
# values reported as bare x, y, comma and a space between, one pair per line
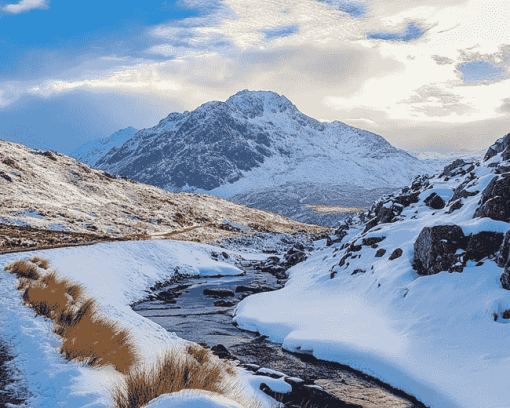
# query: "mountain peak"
258, 102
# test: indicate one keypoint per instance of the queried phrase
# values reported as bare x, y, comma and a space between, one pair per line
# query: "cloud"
26, 5
318, 54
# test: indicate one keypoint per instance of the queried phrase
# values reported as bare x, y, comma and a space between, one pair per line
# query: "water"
194, 317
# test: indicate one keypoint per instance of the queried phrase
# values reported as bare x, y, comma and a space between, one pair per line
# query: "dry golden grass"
40, 262
86, 336
23, 269
192, 368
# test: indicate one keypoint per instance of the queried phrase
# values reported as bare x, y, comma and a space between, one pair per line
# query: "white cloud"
25, 5
328, 67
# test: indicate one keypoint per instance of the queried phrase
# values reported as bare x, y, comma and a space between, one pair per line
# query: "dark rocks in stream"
253, 289
218, 293
226, 303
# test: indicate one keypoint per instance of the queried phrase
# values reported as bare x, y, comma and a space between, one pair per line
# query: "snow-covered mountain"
258, 142
415, 291
91, 151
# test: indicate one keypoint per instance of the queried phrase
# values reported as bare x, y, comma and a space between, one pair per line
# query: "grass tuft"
40, 262
23, 269
176, 370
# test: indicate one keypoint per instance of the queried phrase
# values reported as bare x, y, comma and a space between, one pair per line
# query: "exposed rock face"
435, 202
498, 147
504, 250
505, 279
496, 199
435, 248
483, 244
372, 240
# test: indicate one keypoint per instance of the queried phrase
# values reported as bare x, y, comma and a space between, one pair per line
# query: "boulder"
505, 279
397, 253
456, 205
372, 240
450, 169
435, 202
295, 258
495, 200
225, 303
380, 253
435, 248
407, 199
483, 244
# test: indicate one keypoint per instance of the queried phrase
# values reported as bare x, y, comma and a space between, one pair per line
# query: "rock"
449, 170
435, 202
253, 289
344, 258
225, 255
380, 253
495, 203
371, 224
408, 199
435, 248
456, 205
5, 176
335, 239
275, 259
354, 248
372, 240
221, 351
503, 252
296, 258
221, 293
397, 253
497, 147
356, 271
505, 279
483, 244
225, 303
332, 275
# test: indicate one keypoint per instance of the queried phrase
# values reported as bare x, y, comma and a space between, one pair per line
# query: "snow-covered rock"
416, 296
259, 141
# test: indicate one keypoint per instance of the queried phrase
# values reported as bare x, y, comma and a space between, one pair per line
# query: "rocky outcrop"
435, 248
495, 203
483, 244
380, 253
435, 202
498, 147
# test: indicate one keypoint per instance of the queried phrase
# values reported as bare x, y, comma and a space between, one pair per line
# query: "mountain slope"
415, 291
49, 190
258, 141
91, 151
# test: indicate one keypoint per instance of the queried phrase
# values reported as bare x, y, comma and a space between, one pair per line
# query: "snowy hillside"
415, 291
49, 190
259, 141
91, 151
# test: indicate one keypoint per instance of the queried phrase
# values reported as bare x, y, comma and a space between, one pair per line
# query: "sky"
425, 75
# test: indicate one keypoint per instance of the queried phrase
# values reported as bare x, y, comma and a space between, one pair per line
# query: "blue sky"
72, 71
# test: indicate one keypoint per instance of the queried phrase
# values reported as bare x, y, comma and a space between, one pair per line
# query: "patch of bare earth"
326, 209
61, 202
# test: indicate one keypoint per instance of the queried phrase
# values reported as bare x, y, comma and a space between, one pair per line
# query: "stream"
193, 316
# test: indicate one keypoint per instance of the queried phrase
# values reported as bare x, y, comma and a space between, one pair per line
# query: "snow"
434, 337
116, 275
192, 399
239, 227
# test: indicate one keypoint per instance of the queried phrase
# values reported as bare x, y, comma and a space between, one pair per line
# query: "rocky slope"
48, 190
414, 291
259, 142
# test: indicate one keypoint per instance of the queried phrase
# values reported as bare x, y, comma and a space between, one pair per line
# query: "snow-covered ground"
435, 337
116, 274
